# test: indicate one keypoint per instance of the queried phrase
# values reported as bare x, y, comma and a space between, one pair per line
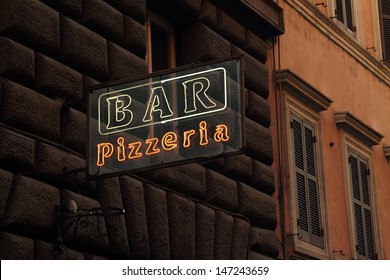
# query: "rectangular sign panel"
166, 119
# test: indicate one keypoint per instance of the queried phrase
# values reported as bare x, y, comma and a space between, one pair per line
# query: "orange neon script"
168, 142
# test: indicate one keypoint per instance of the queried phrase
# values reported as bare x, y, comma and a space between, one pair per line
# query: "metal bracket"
68, 218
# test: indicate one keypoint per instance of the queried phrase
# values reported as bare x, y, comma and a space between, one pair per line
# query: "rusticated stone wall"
50, 50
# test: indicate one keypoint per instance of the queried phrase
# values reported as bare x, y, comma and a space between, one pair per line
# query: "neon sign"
165, 119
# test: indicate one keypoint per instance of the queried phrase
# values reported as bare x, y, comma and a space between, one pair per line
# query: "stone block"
239, 167
83, 49
240, 240
257, 256
66, 7
5, 187
208, 14
103, 18
230, 28
17, 152
181, 217
53, 165
29, 110
189, 179
123, 64
17, 61
31, 22
264, 241
263, 177
157, 217
204, 232
15, 247
259, 142
255, 46
257, 206
181, 12
202, 44
44, 251
74, 130
134, 36
221, 190
55, 79
255, 73
258, 109
134, 8
190, 7
30, 206
223, 235
136, 220
109, 195
216, 164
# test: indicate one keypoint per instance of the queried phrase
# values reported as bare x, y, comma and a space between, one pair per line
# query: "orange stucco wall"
314, 57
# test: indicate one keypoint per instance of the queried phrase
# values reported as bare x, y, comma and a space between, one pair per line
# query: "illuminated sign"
165, 119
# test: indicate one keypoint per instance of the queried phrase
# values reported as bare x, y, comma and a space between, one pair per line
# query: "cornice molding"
302, 90
262, 17
340, 38
357, 128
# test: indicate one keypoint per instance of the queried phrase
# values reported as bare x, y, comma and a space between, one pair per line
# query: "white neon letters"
171, 99
118, 113
158, 101
196, 89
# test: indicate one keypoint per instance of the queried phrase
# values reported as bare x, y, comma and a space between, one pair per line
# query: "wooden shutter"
309, 222
359, 172
349, 15
384, 9
339, 10
344, 14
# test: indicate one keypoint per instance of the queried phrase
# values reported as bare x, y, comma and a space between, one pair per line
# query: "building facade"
50, 52
330, 123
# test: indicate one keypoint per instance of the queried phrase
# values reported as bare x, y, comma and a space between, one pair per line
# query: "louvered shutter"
344, 14
359, 172
339, 10
385, 24
309, 222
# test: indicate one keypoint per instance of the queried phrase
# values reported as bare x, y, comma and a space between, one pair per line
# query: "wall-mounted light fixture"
70, 218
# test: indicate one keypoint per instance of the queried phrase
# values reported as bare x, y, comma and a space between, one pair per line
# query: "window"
303, 135
360, 192
161, 43
384, 12
160, 55
344, 15
306, 226
359, 172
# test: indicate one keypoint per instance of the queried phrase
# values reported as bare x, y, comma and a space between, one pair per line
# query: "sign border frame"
88, 89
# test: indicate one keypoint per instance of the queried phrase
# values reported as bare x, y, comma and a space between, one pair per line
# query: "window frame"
351, 144
296, 109
165, 25
344, 24
169, 28
385, 46
297, 94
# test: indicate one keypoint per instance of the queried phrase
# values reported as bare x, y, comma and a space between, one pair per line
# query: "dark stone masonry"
50, 50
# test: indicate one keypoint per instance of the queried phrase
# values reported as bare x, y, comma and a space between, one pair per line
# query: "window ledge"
357, 128
303, 91
386, 151
341, 38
